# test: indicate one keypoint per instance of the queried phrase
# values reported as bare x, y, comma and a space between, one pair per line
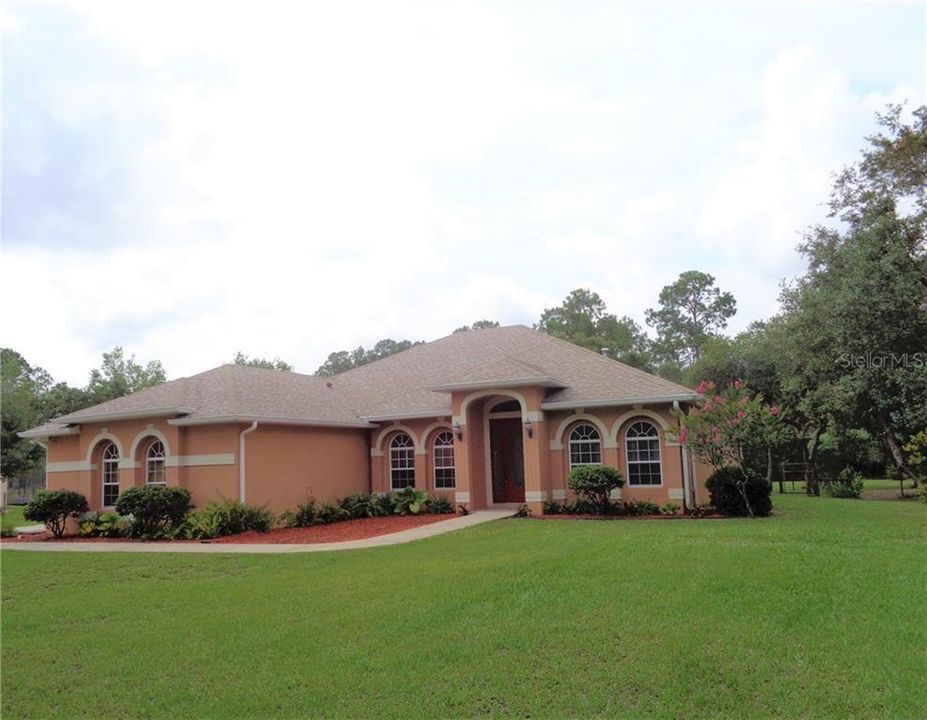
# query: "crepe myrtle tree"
718, 429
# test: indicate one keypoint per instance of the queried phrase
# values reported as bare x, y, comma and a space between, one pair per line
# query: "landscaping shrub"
286, 519
669, 508
330, 513
229, 517
307, 514
523, 511
110, 525
155, 509
725, 494
642, 507
594, 483
383, 503
440, 505
553, 508
54, 507
360, 505
582, 506
409, 501
851, 485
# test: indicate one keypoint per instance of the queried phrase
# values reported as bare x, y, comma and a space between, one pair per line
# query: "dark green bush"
641, 507
582, 506
331, 513
360, 505
440, 505
724, 488
307, 514
553, 508
669, 509
229, 517
54, 507
155, 509
595, 483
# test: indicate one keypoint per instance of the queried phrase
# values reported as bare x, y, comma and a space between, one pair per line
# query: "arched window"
154, 464
401, 462
444, 460
585, 446
643, 444
110, 474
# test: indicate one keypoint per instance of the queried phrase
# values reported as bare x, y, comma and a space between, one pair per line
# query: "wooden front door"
508, 460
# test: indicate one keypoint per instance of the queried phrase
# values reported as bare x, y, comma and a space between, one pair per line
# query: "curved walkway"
477, 517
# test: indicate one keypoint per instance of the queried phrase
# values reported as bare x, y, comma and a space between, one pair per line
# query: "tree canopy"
275, 364
338, 362
583, 319
691, 310
119, 375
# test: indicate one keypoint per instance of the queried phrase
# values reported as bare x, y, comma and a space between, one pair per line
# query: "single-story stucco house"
487, 417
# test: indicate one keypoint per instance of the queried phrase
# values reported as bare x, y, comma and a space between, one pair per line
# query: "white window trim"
584, 441
151, 460
627, 455
394, 451
105, 464
436, 467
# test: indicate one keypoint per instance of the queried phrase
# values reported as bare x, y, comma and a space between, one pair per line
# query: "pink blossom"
774, 410
683, 435
738, 385
741, 414
700, 388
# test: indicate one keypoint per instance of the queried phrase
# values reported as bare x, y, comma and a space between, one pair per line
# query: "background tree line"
845, 358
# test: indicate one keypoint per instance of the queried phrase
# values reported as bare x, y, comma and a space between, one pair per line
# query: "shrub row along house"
486, 417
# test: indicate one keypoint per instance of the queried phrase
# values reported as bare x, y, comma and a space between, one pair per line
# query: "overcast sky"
187, 180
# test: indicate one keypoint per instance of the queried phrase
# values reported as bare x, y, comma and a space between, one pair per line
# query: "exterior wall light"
529, 428
457, 430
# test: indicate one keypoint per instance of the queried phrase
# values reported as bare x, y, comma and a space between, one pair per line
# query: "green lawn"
13, 517
817, 612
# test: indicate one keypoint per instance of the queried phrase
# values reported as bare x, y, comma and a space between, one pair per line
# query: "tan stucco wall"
287, 465
283, 463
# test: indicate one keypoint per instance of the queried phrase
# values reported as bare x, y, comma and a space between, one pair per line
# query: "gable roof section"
414, 383
230, 393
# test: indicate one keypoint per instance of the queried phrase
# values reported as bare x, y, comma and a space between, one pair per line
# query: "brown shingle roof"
398, 385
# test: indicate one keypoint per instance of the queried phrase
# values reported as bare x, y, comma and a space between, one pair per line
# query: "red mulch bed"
714, 516
336, 532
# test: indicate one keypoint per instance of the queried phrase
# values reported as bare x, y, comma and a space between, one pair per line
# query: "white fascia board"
446, 413
127, 415
540, 380
644, 400
59, 432
268, 420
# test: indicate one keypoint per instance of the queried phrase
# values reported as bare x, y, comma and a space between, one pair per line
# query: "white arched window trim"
585, 445
643, 454
443, 454
155, 464
401, 461
109, 474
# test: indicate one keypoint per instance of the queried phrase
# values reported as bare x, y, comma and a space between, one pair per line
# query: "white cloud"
304, 178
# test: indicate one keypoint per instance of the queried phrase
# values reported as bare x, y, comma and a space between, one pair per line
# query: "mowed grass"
13, 517
817, 612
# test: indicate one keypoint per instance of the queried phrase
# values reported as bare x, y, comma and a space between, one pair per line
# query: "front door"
508, 462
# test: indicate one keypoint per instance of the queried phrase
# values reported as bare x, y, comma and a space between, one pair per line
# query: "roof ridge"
603, 358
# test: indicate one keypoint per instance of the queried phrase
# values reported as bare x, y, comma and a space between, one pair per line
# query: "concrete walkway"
477, 517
